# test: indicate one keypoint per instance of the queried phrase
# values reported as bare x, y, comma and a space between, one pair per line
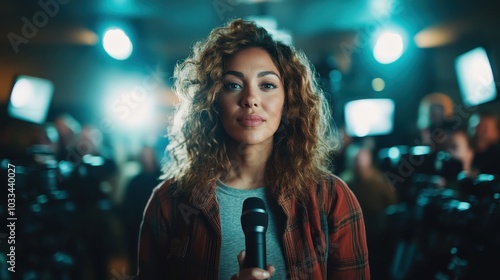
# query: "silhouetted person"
461, 149
68, 129
436, 129
374, 194
137, 194
486, 143
434, 115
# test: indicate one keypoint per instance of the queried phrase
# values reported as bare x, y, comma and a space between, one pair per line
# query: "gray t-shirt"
233, 239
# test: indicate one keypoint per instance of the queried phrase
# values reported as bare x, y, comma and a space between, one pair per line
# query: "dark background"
83, 235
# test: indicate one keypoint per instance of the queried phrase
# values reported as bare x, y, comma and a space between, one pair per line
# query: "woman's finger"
252, 274
241, 259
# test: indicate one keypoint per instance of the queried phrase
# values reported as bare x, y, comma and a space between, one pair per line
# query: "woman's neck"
248, 164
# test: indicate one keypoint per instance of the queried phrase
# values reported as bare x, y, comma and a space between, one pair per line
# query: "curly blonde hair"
198, 148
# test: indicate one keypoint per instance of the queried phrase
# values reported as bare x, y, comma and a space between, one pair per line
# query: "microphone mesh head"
254, 214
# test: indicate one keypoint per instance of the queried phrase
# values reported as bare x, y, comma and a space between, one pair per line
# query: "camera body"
450, 232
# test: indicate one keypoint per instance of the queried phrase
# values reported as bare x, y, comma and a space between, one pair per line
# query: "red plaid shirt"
181, 235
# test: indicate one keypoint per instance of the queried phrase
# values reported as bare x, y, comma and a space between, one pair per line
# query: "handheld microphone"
254, 220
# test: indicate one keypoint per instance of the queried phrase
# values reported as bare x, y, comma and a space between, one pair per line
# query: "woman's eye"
232, 86
268, 86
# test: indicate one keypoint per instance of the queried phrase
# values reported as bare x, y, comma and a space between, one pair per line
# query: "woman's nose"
250, 98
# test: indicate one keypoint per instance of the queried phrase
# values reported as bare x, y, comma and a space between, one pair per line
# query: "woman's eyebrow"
265, 73
260, 75
234, 73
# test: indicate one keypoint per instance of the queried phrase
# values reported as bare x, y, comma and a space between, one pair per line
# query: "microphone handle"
255, 243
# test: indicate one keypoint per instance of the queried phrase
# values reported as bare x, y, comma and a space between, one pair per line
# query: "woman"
253, 123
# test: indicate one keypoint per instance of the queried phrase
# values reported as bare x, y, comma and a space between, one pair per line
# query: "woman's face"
253, 97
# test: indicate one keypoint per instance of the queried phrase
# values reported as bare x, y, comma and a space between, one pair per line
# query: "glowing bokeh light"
117, 44
388, 48
378, 84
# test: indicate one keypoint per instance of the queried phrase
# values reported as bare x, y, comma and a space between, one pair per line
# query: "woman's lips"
250, 120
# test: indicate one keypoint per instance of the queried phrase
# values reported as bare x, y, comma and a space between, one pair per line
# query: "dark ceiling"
168, 28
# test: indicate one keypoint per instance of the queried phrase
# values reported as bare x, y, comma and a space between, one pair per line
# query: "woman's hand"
251, 273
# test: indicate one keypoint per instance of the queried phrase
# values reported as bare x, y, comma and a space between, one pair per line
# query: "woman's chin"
252, 140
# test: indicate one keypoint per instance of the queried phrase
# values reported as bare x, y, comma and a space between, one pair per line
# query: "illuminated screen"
475, 77
366, 117
30, 99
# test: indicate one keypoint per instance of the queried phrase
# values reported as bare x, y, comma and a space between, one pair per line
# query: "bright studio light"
475, 77
117, 44
388, 48
22, 93
366, 117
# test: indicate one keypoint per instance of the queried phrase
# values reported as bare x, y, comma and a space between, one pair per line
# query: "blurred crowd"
453, 147
81, 202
